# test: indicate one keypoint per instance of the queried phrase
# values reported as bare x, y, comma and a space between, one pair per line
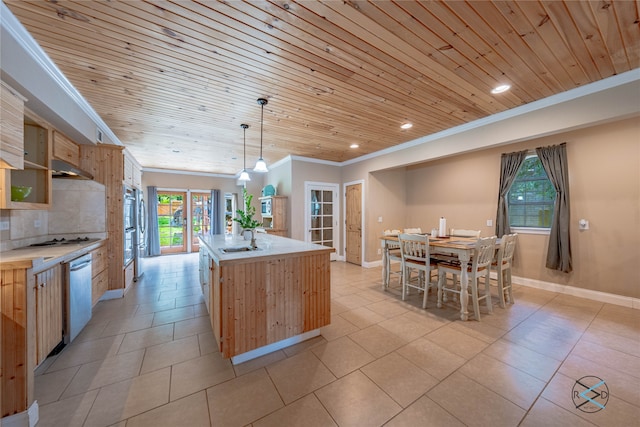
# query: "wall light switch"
489, 223
379, 251
36, 223
4, 225
583, 224
379, 219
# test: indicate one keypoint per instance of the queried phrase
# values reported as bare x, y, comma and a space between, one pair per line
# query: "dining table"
462, 247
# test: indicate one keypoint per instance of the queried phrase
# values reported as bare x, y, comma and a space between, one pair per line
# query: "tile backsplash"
78, 209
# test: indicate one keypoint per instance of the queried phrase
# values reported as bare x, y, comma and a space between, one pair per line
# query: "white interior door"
322, 206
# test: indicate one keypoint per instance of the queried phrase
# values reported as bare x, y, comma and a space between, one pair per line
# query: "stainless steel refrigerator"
141, 227
135, 217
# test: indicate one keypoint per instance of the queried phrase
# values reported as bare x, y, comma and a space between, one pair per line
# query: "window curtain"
153, 235
509, 165
216, 213
554, 161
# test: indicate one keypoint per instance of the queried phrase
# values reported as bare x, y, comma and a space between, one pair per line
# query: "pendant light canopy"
244, 175
261, 165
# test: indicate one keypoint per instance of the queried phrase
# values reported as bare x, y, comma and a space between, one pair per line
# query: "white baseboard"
372, 264
116, 293
28, 418
269, 348
599, 296
112, 294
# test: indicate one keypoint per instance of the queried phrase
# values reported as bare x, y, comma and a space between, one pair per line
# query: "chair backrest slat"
507, 248
484, 252
414, 247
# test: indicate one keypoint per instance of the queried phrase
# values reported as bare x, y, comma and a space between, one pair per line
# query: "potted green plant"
245, 217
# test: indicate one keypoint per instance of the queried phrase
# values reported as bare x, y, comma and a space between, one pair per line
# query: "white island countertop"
268, 245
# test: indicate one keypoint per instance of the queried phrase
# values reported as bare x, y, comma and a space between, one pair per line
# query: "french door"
200, 217
172, 224
322, 206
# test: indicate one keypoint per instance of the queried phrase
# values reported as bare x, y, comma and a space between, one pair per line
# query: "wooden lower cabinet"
204, 267
129, 274
17, 338
99, 274
49, 316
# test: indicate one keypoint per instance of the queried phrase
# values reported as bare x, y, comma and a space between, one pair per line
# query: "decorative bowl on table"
19, 193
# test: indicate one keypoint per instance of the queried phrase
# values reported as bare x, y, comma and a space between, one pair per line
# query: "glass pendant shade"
244, 176
261, 165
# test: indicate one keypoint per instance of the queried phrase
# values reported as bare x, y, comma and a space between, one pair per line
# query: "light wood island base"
263, 300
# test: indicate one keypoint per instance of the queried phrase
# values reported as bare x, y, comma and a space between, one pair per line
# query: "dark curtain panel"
153, 235
509, 165
216, 214
554, 161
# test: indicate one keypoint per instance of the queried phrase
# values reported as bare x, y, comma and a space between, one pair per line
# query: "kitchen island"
264, 299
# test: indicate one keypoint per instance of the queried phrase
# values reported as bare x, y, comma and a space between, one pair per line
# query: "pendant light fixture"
244, 175
261, 165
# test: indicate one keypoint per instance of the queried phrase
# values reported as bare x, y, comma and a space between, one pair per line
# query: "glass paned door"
171, 221
230, 225
200, 218
322, 209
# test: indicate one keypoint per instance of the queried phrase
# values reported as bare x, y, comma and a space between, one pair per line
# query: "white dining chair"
416, 230
393, 255
414, 250
482, 258
459, 232
502, 267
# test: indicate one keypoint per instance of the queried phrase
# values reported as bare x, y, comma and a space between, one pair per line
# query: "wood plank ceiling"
175, 79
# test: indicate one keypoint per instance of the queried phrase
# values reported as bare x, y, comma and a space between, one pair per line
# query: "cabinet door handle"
42, 285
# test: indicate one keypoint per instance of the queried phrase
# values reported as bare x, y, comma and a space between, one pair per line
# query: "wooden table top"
454, 242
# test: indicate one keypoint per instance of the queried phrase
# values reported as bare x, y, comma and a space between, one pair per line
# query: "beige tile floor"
149, 359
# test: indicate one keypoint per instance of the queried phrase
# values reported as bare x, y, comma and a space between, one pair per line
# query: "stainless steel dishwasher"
78, 296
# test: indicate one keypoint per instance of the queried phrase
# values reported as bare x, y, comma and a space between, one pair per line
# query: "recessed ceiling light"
406, 126
500, 89
354, 146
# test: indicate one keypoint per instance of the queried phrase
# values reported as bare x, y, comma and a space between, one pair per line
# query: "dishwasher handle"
80, 266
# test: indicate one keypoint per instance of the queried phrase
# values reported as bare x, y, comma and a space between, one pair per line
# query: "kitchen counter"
262, 300
41, 258
267, 246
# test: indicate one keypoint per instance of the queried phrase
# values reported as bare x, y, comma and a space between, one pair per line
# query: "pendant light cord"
244, 146
261, 127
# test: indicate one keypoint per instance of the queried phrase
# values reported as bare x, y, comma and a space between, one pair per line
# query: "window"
531, 196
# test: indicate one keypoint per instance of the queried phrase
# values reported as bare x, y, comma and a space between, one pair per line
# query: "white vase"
247, 234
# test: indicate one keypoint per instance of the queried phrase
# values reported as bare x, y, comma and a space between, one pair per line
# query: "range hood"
62, 169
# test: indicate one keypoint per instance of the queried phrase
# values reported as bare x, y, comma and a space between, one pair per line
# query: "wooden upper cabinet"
132, 172
128, 170
11, 128
65, 149
36, 170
